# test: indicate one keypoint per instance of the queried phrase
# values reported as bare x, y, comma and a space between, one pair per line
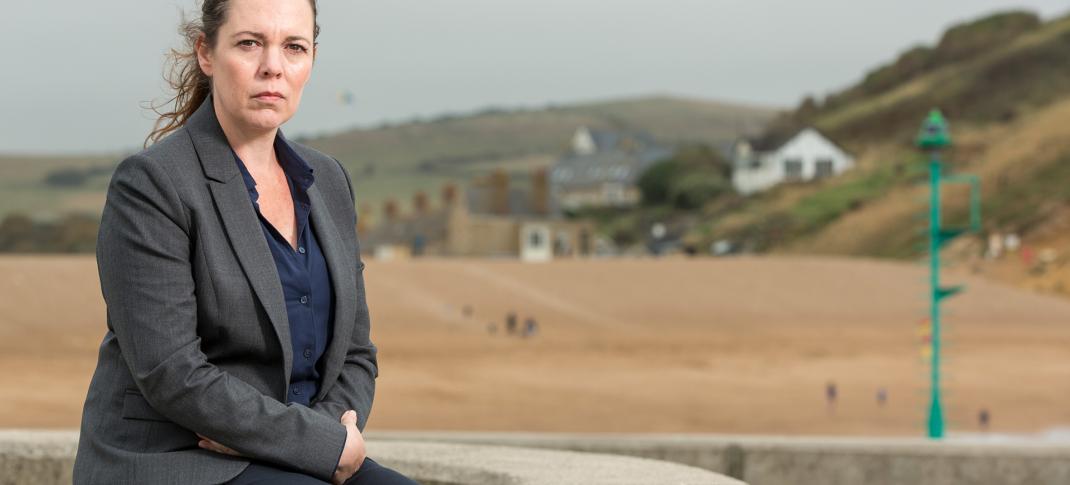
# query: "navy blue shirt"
306, 284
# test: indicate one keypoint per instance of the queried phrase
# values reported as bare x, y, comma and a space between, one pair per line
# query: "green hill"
396, 161
1003, 81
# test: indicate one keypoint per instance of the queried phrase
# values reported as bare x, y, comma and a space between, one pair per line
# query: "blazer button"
304, 300
301, 249
308, 353
296, 391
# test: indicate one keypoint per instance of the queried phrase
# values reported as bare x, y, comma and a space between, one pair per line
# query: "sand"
741, 345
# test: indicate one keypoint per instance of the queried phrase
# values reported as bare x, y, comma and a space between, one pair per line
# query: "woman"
238, 343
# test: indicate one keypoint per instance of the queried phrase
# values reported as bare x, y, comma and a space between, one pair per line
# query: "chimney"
365, 212
390, 211
419, 203
540, 191
449, 195
499, 192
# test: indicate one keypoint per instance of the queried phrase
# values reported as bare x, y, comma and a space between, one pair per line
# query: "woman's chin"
265, 120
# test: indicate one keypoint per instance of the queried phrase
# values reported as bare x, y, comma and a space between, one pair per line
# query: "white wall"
531, 252
808, 146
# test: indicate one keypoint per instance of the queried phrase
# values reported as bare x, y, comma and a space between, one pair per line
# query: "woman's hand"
353, 453
212, 445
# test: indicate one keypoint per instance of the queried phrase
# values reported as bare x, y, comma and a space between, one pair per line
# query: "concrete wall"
47, 457
527, 458
829, 461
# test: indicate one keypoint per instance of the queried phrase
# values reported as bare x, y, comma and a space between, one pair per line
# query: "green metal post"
936, 410
933, 137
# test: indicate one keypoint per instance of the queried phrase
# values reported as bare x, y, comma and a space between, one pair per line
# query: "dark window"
823, 168
793, 169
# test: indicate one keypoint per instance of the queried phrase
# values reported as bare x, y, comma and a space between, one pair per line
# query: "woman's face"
260, 63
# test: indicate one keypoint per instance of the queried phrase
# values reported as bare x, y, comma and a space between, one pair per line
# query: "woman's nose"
271, 64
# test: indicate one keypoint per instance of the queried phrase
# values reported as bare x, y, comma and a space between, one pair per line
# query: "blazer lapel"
241, 222
343, 283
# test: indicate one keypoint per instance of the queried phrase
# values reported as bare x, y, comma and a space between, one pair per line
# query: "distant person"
995, 246
466, 311
830, 395
1027, 256
984, 419
237, 348
510, 323
1011, 242
882, 396
530, 327
418, 245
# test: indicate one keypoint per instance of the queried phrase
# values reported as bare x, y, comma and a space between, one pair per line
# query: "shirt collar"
295, 167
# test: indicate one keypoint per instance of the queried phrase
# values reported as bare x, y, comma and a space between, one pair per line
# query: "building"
602, 169
806, 156
490, 218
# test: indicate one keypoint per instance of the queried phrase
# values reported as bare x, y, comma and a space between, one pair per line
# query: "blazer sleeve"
355, 387
144, 260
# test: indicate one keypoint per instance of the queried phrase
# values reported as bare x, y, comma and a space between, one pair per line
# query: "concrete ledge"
449, 458
47, 457
44, 457
456, 464
782, 461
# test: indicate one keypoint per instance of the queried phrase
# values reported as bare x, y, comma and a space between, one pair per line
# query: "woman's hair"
191, 85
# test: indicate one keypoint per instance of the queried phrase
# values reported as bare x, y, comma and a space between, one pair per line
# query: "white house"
806, 156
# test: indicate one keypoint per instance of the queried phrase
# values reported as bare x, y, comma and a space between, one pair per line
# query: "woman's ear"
204, 55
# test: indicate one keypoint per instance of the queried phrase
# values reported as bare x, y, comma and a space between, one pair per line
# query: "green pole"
933, 137
936, 410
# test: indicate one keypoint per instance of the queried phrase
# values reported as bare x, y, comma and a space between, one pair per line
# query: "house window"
535, 239
793, 169
613, 192
823, 168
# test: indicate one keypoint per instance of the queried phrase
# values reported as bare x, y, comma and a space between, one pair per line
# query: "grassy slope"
421, 156
1009, 107
22, 188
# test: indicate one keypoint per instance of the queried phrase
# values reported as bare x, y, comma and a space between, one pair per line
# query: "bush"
66, 177
693, 177
655, 184
693, 191
73, 233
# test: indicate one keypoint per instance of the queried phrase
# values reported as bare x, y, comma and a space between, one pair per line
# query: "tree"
694, 176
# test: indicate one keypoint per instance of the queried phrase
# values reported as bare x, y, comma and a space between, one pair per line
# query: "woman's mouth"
269, 96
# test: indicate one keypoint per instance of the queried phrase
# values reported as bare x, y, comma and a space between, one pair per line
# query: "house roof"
605, 140
770, 141
619, 157
774, 141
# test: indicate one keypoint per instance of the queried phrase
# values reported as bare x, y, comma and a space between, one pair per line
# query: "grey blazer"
198, 339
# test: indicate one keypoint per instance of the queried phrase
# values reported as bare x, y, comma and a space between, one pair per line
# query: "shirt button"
304, 300
301, 249
296, 391
308, 353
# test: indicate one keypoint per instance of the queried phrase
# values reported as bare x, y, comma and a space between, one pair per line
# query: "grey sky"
76, 72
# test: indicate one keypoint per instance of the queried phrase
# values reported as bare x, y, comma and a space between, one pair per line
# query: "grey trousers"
370, 473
